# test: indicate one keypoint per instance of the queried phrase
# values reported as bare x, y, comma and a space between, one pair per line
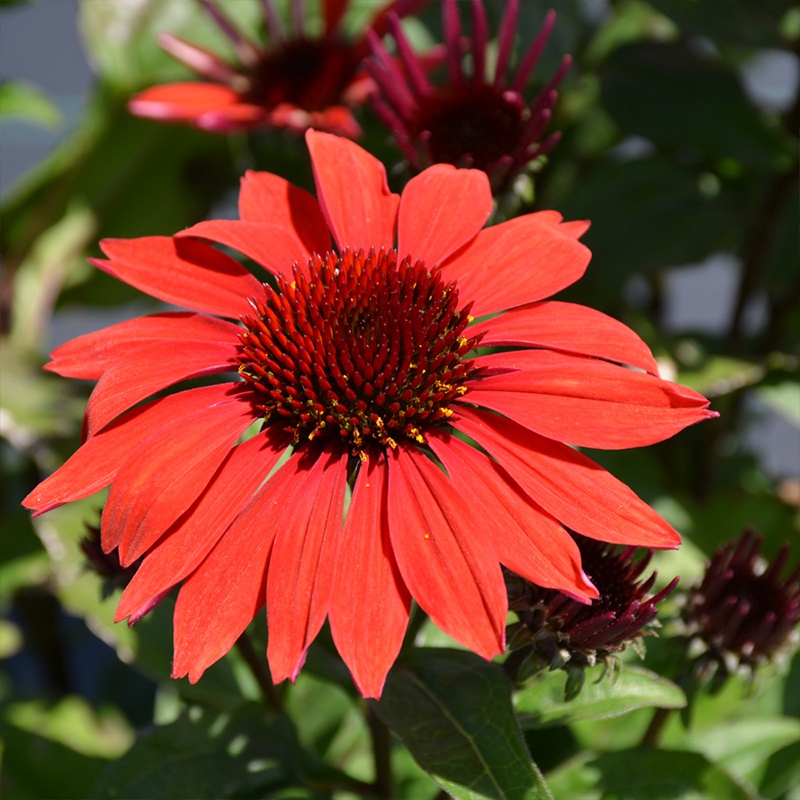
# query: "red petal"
370, 603
218, 601
181, 102
441, 210
235, 117
450, 568
91, 355
337, 119
584, 401
527, 539
567, 327
167, 472
353, 193
268, 198
95, 464
272, 246
575, 490
182, 271
576, 228
516, 263
303, 560
150, 368
191, 538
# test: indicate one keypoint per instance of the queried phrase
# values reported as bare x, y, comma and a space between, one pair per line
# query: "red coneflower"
363, 358
298, 83
472, 120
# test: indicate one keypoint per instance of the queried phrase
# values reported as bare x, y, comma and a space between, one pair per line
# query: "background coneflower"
296, 82
741, 616
472, 119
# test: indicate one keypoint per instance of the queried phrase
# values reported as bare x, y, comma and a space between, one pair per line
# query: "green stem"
381, 752
417, 620
653, 732
258, 666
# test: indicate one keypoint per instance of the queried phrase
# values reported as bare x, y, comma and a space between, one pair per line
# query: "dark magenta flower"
555, 630
473, 119
741, 615
297, 82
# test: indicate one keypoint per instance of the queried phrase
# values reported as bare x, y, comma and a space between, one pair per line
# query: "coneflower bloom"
362, 357
473, 119
556, 631
297, 82
742, 615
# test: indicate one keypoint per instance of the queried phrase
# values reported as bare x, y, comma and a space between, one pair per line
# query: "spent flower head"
295, 81
555, 630
474, 119
742, 614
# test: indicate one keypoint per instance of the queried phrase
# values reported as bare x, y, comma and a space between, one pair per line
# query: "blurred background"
680, 122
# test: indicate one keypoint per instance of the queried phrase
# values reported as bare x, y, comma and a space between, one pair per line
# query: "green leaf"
37, 767
781, 772
756, 24
721, 375
643, 774
784, 398
207, 754
542, 704
674, 98
744, 745
28, 103
453, 711
75, 724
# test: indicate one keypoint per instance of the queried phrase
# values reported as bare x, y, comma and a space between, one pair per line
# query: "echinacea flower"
741, 615
555, 631
297, 83
474, 119
364, 358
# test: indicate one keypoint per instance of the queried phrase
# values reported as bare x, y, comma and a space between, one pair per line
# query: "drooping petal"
203, 62
526, 538
516, 263
370, 603
181, 102
353, 193
268, 198
584, 401
94, 466
302, 566
450, 568
167, 472
220, 598
340, 119
577, 492
272, 246
239, 116
149, 368
182, 271
191, 538
442, 209
570, 328
89, 356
